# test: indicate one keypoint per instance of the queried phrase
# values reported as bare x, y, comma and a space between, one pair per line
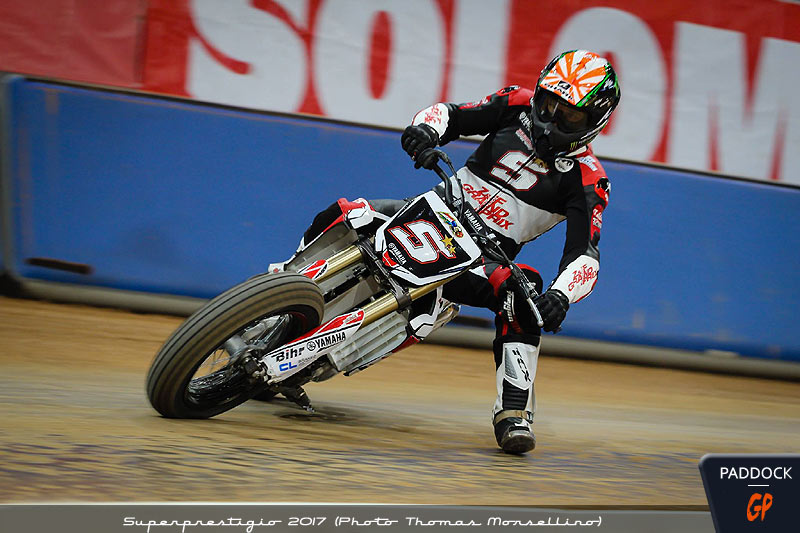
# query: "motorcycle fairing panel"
424, 243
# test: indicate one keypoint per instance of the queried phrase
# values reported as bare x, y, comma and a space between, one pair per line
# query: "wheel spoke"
193, 376
219, 377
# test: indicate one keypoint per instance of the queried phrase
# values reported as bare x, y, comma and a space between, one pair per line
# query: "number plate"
424, 242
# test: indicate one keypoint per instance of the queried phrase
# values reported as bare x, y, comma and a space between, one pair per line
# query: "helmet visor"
551, 108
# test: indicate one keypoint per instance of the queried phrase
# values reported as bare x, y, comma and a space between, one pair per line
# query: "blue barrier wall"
182, 198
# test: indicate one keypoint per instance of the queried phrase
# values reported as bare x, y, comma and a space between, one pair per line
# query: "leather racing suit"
520, 197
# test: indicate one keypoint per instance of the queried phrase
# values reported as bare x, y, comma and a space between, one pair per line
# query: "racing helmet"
573, 100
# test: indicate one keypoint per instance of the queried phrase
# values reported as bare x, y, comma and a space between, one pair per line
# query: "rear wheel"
200, 372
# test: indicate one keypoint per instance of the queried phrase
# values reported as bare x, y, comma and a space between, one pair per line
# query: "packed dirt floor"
77, 426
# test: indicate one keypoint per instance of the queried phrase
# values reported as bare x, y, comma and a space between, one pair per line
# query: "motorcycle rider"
534, 169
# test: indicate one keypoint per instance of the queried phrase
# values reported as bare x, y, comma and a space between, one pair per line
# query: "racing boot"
516, 357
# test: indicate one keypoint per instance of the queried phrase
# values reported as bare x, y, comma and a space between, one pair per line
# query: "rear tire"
171, 389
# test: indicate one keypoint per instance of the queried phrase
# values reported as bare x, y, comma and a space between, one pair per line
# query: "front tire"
175, 387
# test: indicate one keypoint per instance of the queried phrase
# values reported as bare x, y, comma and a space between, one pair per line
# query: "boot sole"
518, 442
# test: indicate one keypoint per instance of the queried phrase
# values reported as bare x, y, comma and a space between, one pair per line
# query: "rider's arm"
476, 118
585, 202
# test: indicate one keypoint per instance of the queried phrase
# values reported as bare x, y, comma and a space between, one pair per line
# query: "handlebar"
488, 245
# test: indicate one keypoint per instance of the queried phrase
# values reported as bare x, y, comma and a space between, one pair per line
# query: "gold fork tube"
379, 308
388, 303
341, 260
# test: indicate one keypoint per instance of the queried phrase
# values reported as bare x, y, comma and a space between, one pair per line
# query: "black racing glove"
416, 139
552, 305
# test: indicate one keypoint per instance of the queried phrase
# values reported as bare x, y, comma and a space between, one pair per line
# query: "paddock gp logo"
759, 503
752, 492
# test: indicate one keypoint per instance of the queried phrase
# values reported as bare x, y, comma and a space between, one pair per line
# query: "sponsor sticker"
589, 161
524, 138
448, 243
525, 119
308, 347
451, 222
396, 254
597, 220
563, 164
494, 212
315, 270
326, 341
581, 276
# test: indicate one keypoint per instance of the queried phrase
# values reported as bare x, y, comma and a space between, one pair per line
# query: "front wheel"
194, 376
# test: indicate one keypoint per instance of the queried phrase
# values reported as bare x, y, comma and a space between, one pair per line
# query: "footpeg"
297, 395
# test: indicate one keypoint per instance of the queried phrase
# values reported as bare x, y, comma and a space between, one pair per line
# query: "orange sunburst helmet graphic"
575, 75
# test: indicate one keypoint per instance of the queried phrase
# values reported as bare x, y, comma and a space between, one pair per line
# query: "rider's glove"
552, 305
416, 139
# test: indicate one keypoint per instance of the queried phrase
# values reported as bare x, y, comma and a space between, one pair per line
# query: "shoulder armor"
506, 90
517, 95
593, 175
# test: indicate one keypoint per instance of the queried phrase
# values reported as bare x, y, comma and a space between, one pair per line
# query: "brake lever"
530, 292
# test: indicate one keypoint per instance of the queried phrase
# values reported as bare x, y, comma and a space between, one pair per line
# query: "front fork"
296, 355
387, 303
279, 364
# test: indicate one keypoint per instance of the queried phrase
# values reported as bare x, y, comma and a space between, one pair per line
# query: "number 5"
524, 178
422, 241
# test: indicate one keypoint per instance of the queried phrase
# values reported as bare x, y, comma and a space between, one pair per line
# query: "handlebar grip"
448, 187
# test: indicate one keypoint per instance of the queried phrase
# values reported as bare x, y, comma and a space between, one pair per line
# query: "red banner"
97, 42
706, 84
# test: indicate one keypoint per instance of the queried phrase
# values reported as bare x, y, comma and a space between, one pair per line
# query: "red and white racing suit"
521, 197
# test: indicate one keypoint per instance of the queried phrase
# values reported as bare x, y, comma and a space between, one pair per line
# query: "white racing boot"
516, 357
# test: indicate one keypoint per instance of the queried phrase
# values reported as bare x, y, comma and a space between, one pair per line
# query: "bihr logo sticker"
748, 493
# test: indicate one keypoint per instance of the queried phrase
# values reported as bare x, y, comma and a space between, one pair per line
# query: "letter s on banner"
275, 55
639, 120
341, 59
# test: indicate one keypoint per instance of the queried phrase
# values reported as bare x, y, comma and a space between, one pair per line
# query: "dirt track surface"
413, 429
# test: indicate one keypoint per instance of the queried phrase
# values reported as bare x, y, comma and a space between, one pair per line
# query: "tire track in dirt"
413, 429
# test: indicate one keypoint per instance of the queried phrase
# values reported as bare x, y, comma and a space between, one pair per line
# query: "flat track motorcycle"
366, 287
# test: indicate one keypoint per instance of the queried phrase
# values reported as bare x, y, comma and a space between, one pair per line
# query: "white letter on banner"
275, 56
711, 95
774, 109
479, 49
341, 60
639, 63
709, 67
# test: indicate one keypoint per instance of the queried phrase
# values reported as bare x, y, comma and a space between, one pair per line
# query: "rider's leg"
516, 358
515, 354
